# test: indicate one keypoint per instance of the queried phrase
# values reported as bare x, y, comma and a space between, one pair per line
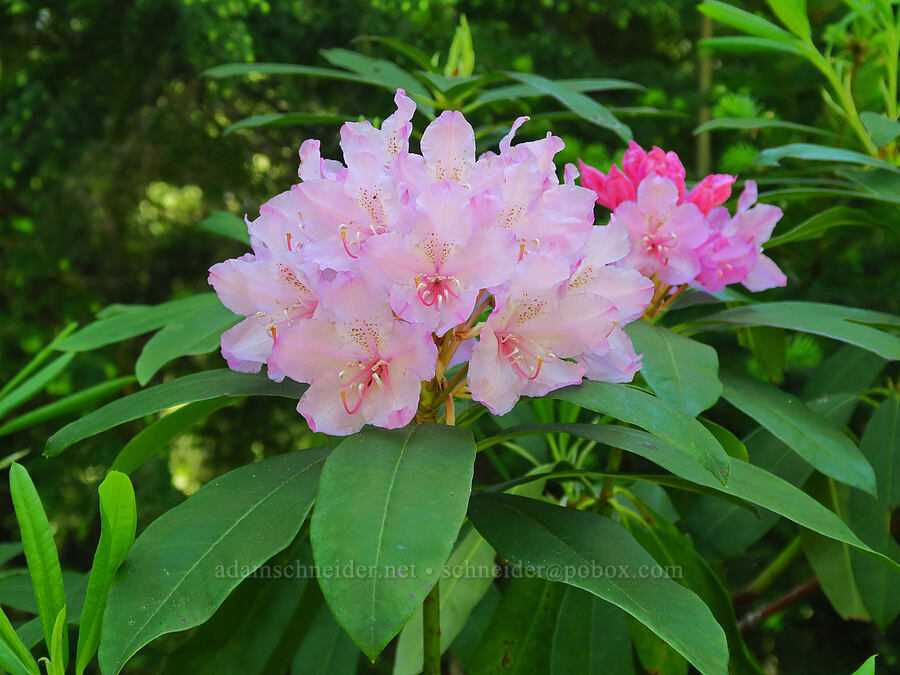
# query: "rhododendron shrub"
368, 279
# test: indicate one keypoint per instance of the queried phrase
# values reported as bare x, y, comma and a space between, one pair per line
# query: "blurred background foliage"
112, 151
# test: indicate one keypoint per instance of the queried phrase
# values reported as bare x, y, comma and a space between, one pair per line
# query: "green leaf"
882, 129
806, 433
871, 518
118, 523
258, 627
189, 559
227, 225
815, 226
583, 106
69, 404
192, 334
34, 384
748, 482
847, 324
461, 55
135, 321
590, 637
721, 530
326, 649
868, 668
769, 347
235, 69
140, 448
826, 153
829, 559
747, 22
792, 13
377, 71
517, 91
9, 550
37, 360
59, 645
682, 371
515, 641
415, 54
197, 387
40, 549
741, 44
410, 488
662, 419
655, 655
466, 643
757, 123
465, 579
284, 120
732, 444
566, 545
17, 592
14, 655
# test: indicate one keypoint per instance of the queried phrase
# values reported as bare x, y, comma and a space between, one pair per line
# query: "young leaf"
196, 333
37, 360
868, 668
682, 371
14, 655
792, 13
806, 433
59, 645
465, 579
227, 224
66, 405
281, 120
579, 548
746, 22
756, 123
140, 448
583, 106
34, 384
40, 550
882, 129
135, 321
189, 559
815, 226
410, 488
118, 522
847, 324
517, 91
742, 44
377, 71
662, 419
197, 387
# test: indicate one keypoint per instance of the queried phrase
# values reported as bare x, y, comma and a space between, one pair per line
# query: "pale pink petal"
492, 379
765, 275
506, 141
448, 146
247, 345
312, 348
324, 411
748, 196
618, 363
555, 373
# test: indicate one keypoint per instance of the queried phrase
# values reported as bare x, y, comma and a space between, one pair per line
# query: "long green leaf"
682, 371
847, 324
410, 488
37, 360
196, 333
40, 549
792, 13
746, 22
815, 226
189, 559
69, 404
882, 129
135, 321
326, 649
465, 579
742, 44
517, 91
59, 645
748, 482
286, 119
583, 106
196, 387
826, 153
33, 385
140, 448
757, 123
14, 655
376, 71
560, 544
806, 433
118, 523
590, 637
227, 225
636, 407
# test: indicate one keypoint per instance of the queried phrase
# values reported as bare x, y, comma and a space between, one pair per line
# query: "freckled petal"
448, 146
310, 349
487, 259
246, 346
492, 380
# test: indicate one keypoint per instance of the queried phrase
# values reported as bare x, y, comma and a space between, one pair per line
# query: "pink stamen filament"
515, 353
437, 288
375, 373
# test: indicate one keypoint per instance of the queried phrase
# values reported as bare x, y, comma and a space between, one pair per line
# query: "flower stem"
431, 631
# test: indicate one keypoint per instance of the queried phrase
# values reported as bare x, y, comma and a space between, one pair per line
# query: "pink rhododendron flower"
395, 281
363, 366
664, 234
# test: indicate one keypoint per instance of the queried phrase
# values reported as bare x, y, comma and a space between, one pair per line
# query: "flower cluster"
686, 237
399, 280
